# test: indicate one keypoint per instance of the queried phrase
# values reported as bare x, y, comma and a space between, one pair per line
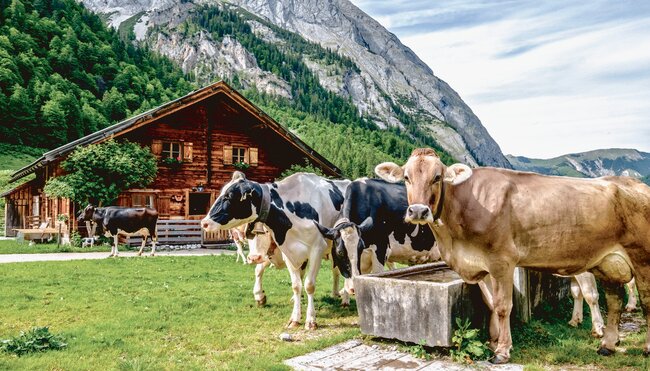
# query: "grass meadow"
172, 313
161, 313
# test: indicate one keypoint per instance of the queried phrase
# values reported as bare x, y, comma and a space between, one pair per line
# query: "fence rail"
182, 232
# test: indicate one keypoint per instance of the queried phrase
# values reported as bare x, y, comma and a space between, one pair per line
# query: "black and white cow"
125, 221
373, 233
288, 208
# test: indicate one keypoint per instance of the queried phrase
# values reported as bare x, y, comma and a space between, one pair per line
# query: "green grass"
198, 313
23, 247
161, 313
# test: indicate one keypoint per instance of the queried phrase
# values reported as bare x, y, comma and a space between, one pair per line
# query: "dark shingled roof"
192, 97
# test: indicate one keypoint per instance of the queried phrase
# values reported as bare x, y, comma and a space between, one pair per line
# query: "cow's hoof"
152, 255
311, 326
499, 359
261, 302
646, 352
597, 334
574, 323
605, 352
629, 308
345, 305
293, 324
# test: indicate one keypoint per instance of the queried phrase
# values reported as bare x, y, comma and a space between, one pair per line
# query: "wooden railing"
182, 232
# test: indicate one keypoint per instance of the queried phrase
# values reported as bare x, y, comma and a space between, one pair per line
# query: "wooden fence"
183, 232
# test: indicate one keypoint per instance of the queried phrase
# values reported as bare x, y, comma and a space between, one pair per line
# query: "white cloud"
544, 81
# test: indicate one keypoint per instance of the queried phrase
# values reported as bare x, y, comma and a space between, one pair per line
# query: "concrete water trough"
421, 303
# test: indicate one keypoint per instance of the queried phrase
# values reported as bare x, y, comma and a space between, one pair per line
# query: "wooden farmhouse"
210, 131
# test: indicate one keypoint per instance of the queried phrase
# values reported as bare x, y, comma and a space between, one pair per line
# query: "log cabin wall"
207, 135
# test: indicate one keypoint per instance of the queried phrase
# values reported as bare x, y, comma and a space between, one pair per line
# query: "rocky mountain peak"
390, 76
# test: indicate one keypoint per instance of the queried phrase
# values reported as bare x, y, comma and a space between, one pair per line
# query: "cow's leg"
502, 284
576, 317
114, 249
642, 278
296, 285
154, 241
310, 288
587, 283
336, 278
144, 242
631, 296
390, 265
258, 290
614, 295
486, 292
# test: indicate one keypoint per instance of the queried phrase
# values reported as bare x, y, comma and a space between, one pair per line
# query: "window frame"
145, 197
167, 150
239, 154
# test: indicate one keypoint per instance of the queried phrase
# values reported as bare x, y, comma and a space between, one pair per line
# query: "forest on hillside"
64, 74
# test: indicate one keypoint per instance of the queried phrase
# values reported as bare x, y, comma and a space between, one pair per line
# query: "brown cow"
489, 221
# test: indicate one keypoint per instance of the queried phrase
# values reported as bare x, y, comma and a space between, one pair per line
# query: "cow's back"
130, 220
310, 197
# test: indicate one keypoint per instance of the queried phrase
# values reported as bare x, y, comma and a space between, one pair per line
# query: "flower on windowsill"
241, 165
172, 161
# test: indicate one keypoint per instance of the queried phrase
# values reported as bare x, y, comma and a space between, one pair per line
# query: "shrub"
467, 347
38, 339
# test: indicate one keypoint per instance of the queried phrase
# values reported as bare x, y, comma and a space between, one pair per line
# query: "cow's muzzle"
254, 259
418, 214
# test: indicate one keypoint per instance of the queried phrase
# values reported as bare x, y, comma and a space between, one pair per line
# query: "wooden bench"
43, 232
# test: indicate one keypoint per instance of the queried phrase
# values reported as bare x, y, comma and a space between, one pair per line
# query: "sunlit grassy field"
198, 313
161, 313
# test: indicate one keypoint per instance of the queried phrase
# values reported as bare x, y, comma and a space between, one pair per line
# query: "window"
199, 203
238, 154
142, 200
171, 150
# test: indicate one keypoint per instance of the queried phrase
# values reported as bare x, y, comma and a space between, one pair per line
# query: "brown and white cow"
489, 221
238, 236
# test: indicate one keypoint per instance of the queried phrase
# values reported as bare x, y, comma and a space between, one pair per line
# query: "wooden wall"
208, 127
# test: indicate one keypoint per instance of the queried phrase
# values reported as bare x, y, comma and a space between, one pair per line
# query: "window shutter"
252, 153
156, 147
227, 155
187, 152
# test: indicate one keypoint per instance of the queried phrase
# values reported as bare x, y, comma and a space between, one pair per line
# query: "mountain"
628, 162
351, 57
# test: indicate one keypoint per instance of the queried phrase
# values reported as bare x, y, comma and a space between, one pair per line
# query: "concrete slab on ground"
64, 256
354, 355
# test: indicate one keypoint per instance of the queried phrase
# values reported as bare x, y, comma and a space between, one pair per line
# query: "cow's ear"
330, 234
366, 225
238, 175
457, 173
390, 172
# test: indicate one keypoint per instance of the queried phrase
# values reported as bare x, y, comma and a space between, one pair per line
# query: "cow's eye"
406, 179
436, 179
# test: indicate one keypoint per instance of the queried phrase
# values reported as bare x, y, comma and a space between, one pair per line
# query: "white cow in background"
584, 286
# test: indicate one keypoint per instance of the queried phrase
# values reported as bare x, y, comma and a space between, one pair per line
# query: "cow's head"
347, 247
238, 203
425, 176
259, 243
86, 214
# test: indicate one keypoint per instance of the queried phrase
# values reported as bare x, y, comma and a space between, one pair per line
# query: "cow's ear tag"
457, 173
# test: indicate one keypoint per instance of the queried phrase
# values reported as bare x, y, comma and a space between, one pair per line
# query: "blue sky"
546, 78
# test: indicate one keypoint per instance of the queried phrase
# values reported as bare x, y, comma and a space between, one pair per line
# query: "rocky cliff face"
604, 162
390, 77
